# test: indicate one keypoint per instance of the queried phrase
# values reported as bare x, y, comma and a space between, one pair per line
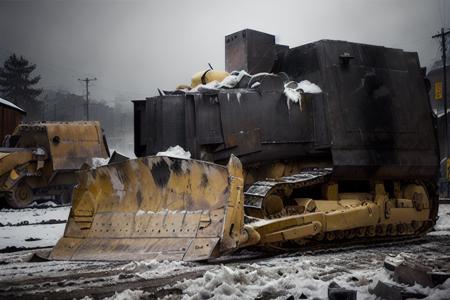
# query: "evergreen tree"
17, 84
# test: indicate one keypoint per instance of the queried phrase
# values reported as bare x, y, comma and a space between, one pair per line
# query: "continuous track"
334, 240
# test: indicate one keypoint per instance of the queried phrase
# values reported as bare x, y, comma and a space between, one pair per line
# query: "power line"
86, 81
442, 36
65, 70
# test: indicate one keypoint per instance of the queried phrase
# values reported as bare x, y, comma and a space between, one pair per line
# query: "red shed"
10, 116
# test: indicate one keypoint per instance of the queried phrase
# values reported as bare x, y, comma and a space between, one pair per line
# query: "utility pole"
442, 36
86, 81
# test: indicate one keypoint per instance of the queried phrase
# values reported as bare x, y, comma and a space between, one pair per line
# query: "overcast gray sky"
133, 47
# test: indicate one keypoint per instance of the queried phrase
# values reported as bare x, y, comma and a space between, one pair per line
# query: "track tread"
256, 193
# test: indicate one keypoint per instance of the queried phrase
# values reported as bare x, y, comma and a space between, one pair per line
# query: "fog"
134, 47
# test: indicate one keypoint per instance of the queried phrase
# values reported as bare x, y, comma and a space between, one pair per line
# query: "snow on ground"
32, 215
32, 236
310, 275
14, 262
151, 269
299, 276
443, 223
40, 204
26, 228
125, 295
279, 277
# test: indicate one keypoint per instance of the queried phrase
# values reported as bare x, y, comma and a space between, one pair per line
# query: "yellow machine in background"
40, 159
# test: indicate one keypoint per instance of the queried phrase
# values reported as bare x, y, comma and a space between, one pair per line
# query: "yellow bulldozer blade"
155, 208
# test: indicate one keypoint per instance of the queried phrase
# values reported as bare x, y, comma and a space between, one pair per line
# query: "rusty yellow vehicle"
277, 162
39, 160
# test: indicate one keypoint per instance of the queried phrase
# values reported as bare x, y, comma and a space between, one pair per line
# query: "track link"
334, 240
258, 191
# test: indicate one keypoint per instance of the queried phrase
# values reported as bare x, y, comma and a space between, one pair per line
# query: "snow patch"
99, 161
213, 85
443, 223
308, 87
26, 228
7, 103
440, 293
256, 84
302, 276
262, 74
33, 215
176, 152
37, 235
294, 91
233, 79
39, 151
293, 96
150, 269
238, 96
140, 212
255, 281
128, 295
43, 204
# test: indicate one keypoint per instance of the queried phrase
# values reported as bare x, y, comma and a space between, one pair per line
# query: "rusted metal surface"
73, 144
41, 159
155, 207
360, 123
70, 144
250, 50
11, 157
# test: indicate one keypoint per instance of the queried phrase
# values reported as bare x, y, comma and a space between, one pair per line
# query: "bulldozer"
319, 145
39, 160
